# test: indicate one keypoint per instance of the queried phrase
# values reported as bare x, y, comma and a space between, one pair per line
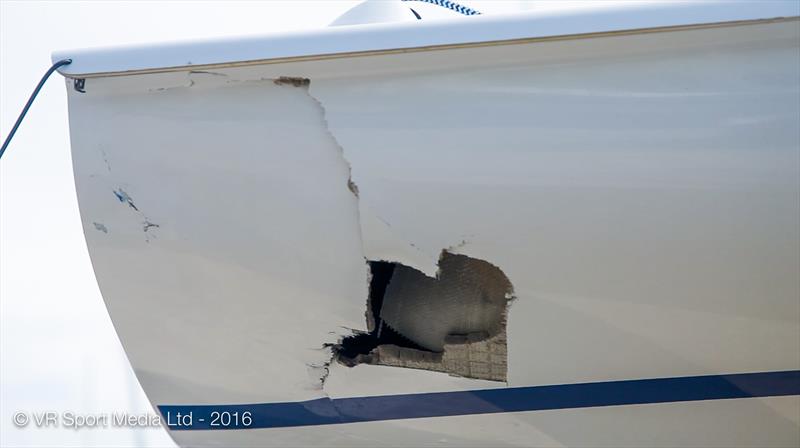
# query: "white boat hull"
640, 191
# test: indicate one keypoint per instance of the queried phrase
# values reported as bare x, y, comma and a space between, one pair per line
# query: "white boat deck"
421, 35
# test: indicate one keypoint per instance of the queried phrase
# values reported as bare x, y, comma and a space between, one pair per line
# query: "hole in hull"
455, 323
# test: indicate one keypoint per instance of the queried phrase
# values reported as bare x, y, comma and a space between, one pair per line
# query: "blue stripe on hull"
325, 411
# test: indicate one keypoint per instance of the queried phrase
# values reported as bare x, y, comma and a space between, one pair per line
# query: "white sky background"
58, 349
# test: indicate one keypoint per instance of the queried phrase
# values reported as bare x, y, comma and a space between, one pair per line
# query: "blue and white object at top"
632, 170
380, 11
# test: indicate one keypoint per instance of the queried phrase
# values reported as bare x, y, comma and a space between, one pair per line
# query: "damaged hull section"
458, 240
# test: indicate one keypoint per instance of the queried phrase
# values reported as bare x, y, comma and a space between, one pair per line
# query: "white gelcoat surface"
645, 191
201, 294
640, 192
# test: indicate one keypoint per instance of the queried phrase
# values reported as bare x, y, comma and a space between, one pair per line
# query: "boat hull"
640, 191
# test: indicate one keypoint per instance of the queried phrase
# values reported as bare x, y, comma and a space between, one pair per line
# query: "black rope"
55, 67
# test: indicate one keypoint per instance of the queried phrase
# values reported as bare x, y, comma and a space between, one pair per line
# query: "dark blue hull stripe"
325, 411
